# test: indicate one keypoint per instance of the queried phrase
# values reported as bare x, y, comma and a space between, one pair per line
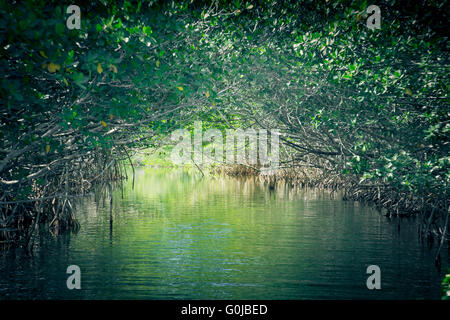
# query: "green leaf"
60, 28
118, 25
147, 30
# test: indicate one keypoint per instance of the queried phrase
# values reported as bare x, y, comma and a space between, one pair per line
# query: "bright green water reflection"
176, 236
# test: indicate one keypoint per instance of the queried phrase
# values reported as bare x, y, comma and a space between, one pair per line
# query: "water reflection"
177, 236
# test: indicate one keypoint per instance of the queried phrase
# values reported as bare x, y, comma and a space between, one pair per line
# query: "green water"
177, 236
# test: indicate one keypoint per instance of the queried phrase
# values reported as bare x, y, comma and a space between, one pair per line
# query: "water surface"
177, 236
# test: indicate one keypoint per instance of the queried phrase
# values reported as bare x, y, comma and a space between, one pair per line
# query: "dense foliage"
446, 287
370, 105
